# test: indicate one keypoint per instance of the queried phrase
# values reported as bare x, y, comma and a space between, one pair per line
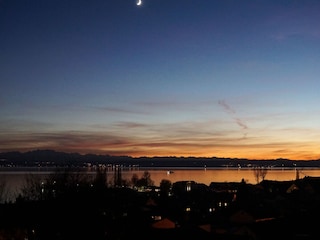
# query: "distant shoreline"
34, 169
50, 158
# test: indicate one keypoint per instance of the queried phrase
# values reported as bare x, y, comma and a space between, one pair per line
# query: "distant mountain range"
54, 158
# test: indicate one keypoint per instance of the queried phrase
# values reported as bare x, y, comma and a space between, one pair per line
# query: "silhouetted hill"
55, 158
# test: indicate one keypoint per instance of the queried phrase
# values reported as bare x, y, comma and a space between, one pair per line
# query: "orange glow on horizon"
245, 153
93, 143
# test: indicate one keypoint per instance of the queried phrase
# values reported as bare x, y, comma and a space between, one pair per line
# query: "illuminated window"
188, 186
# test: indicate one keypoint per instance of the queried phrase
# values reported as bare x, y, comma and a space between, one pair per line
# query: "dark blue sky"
173, 77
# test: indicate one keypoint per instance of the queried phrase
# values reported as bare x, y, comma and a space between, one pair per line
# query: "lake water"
207, 176
15, 179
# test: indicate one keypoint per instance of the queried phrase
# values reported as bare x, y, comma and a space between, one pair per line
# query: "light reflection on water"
16, 179
207, 176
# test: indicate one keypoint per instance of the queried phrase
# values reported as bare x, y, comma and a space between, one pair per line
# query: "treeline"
69, 205
55, 158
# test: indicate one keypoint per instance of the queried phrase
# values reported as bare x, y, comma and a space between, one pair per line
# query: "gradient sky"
224, 78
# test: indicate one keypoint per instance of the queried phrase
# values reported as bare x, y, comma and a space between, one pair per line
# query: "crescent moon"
139, 2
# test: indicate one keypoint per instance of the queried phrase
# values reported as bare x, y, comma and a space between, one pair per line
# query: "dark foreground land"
70, 207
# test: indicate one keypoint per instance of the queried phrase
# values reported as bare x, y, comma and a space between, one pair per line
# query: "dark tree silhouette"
165, 187
3, 191
101, 177
134, 179
33, 188
260, 173
144, 181
56, 184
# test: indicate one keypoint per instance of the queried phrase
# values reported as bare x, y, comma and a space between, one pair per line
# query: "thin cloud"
295, 22
237, 120
119, 110
241, 123
226, 106
131, 125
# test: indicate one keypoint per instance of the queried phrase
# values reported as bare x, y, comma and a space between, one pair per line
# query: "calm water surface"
14, 180
207, 176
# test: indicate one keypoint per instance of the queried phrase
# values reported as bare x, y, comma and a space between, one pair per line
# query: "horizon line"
156, 156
